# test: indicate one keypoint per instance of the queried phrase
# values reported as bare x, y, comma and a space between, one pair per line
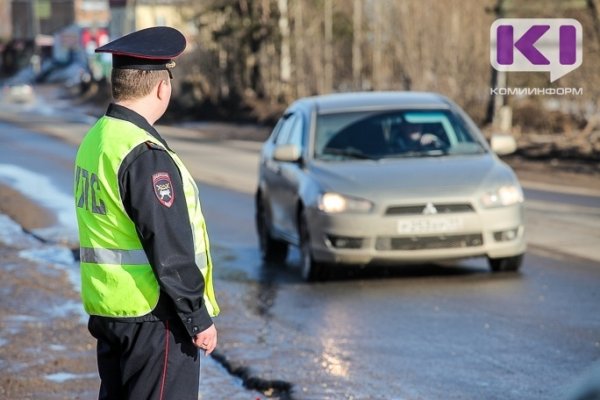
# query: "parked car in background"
17, 93
386, 178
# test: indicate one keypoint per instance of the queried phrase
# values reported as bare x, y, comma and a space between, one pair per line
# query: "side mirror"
503, 144
286, 152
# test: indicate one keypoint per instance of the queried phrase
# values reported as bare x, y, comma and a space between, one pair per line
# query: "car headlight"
503, 196
337, 203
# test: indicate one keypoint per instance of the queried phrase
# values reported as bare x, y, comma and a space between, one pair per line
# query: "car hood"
412, 177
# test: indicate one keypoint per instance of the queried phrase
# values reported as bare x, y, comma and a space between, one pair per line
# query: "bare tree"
299, 47
356, 44
285, 58
377, 45
271, 50
328, 83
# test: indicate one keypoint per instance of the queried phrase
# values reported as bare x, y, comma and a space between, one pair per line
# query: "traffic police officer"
146, 269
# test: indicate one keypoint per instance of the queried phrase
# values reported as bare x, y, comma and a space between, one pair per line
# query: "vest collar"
126, 114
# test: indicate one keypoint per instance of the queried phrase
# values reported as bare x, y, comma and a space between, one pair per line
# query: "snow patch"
59, 257
11, 233
32, 185
62, 259
60, 377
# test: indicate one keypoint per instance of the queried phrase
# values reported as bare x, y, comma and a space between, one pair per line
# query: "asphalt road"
420, 332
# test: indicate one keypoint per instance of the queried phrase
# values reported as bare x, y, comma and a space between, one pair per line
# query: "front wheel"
506, 264
311, 270
271, 250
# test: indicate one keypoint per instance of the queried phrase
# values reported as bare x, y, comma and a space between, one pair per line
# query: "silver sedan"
386, 178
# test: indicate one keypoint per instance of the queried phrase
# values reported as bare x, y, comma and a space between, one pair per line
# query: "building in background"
47, 17
59, 30
131, 15
5, 21
66, 30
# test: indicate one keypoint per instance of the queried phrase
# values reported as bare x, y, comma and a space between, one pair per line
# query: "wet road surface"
419, 332
429, 331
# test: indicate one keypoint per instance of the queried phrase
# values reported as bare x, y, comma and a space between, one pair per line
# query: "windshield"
392, 134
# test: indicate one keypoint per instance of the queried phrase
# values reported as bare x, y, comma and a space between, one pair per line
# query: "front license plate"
430, 225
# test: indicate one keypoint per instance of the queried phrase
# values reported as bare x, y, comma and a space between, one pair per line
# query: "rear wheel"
311, 270
271, 250
506, 264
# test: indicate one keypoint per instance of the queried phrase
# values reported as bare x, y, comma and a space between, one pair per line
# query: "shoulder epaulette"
154, 146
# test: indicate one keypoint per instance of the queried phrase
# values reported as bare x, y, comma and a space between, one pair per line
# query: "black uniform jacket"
163, 228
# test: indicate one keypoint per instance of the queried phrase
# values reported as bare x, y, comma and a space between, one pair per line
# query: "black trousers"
153, 360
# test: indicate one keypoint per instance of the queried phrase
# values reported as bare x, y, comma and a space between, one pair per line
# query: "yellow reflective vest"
116, 277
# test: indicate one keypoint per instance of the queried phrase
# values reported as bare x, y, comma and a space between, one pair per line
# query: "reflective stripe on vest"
113, 256
122, 257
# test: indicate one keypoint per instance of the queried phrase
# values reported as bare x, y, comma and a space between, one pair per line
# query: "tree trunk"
595, 10
285, 60
356, 45
498, 78
299, 41
377, 46
328, 46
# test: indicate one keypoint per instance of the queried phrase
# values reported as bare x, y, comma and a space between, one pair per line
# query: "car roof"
359, 101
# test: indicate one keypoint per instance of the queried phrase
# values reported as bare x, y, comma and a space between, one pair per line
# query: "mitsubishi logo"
429, 209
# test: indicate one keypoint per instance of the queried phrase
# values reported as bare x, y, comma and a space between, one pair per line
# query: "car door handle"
273, 166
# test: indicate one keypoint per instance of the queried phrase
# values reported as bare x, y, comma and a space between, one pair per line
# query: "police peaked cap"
147, 49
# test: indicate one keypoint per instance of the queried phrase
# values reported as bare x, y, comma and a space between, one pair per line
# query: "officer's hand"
206, 340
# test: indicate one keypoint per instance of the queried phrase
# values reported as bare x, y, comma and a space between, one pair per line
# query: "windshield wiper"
446, 151
422, 153
353, 153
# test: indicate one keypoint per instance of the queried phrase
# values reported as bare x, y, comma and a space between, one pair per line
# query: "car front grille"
420, 209
428, 242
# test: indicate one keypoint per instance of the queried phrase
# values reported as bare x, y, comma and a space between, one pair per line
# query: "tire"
310, 269
506, 264
271, 250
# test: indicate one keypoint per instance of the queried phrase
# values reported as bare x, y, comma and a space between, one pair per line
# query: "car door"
273, 177
268, 167
291, 176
